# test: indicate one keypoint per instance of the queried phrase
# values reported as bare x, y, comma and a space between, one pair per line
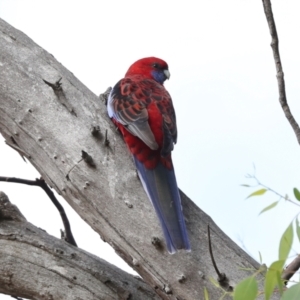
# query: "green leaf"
292, 293
214, 282
297, 194
245, 185
246, 289
273, 278
257, 193
280, 282
206, 297
269, 207
298, 228
286, 242
263, 269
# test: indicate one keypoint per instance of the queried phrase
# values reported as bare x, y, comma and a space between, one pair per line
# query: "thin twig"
211, 254
222, 278
280, 75
42, 184
286, 198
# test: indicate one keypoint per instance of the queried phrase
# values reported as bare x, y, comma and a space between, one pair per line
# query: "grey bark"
280, 75
36, 265
51, 128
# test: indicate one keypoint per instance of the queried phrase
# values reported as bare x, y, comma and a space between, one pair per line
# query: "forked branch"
42, 184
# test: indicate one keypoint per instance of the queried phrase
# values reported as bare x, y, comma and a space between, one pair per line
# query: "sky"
224, 90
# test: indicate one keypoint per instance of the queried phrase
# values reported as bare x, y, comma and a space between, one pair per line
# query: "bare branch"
42, 184
291, 269
222, 278
280, 75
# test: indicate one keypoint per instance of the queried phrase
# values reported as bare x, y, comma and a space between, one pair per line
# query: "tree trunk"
51, 126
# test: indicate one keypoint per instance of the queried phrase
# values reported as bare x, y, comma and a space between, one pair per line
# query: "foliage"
247, 289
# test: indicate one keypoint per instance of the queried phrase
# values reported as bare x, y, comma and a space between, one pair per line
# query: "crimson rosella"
142, 109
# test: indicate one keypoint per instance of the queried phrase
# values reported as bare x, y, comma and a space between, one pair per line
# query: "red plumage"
149, 95
142, 109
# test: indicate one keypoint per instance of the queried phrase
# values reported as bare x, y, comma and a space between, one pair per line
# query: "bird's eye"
155, 65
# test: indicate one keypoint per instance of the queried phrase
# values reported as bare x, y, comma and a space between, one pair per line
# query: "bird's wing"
145, 108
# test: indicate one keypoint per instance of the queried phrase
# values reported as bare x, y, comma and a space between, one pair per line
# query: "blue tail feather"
161, 187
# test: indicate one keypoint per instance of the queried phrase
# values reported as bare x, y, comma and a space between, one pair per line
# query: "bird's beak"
167, 73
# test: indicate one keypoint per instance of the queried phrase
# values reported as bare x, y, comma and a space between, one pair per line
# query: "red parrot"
142, 109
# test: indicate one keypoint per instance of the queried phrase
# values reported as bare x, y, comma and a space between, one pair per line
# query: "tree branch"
280, 75
36, 265
108, 196
291, 269
42, 184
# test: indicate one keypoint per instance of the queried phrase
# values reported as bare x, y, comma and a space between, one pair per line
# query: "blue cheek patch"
159, 76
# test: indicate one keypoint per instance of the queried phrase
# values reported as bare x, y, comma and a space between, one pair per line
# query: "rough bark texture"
36, 265
51, 128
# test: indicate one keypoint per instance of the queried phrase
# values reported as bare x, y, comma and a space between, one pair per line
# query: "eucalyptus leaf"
257, 193
246, 289
298, 228
297, 194
286, 242
269, 207
273, 278
260, 257
292, 293
206, 296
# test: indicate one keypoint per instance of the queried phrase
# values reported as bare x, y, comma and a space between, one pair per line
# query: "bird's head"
150, 67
